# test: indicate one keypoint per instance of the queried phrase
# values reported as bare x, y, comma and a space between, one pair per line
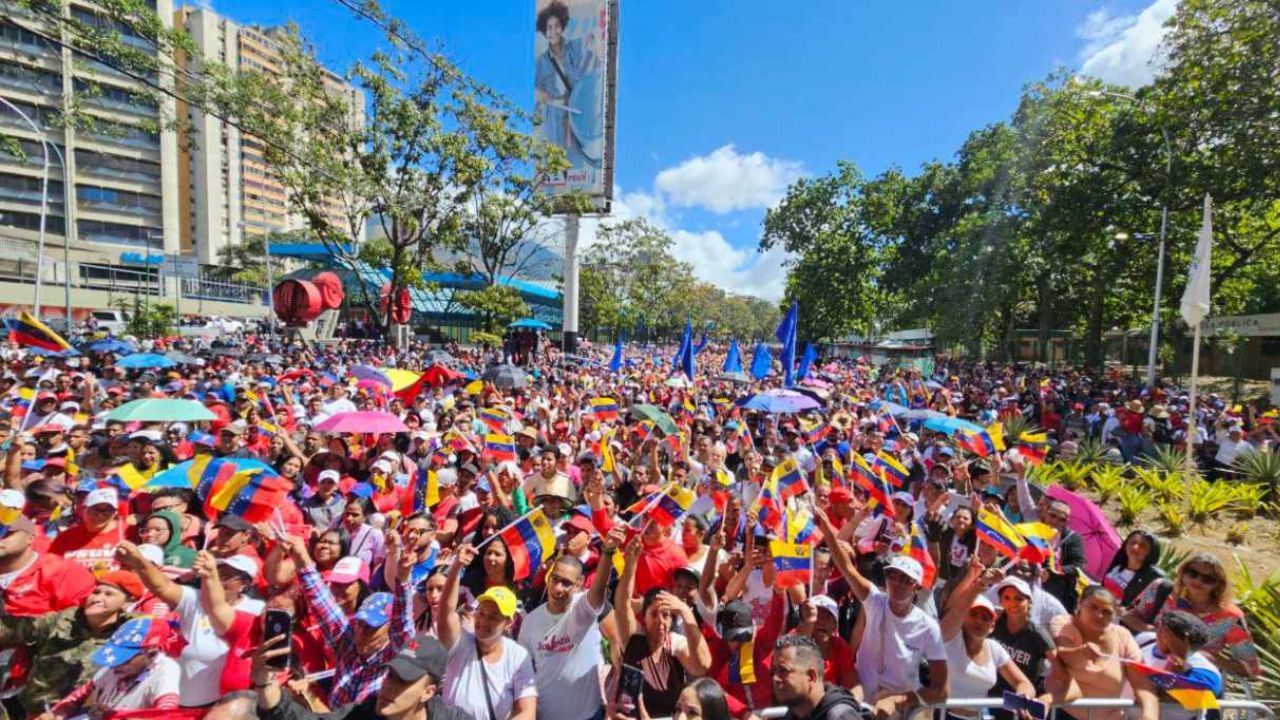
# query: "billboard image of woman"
570, 51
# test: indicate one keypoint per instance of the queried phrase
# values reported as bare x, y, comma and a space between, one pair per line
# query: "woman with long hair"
1201, 588
1134, 567
650, 643
702, 699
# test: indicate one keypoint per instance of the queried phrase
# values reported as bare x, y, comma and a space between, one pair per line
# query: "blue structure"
435, 306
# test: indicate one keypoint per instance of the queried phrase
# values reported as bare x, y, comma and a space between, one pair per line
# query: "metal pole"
1193, 428
271, 311
44, 200
570, 320
1164, 224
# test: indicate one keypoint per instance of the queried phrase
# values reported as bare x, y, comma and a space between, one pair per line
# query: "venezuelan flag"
268, 427
768, 507
800, 527
675, 443
792, 562
500, 447
978, 443
27, 331
1040, 538
674, 502
721, 484
604, 408
895, 472
919, 551
643, 430
789, 480
607, 463
995, 431
994, 530
425, 495
530, 541
251, 494
494, 418
818, 433
1190, 694
871, 481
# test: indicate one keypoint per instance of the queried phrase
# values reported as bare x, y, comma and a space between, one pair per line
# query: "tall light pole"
44, 203
1164, 224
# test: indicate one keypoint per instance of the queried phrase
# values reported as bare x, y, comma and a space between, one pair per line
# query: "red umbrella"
1101, 541
438, 375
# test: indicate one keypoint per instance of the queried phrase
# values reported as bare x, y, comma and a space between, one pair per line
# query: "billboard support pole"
611, 106
570, 321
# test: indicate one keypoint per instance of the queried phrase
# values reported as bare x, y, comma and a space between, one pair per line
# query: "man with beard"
797, 683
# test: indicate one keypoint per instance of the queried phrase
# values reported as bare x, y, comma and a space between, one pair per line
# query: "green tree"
496, 305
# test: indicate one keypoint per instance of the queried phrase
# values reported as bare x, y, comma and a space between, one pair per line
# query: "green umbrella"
162, 410
661, 420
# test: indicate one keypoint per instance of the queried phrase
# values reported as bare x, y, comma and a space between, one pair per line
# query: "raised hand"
129, 556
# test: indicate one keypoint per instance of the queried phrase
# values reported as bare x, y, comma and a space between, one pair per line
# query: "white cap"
153, 553
333, 475
241, 563
564, 449
382, 466
1016, 583
823, 602
982, 602
102, 496
906, 565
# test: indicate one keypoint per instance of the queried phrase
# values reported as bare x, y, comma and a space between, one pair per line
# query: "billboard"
573, 57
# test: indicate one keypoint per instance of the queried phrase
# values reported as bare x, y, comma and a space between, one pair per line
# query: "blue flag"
686, 363
701, 343
806, 361
616, 363
732, 361
786, 335
761, 361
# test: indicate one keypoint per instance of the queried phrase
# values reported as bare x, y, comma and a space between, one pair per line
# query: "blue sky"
723, 102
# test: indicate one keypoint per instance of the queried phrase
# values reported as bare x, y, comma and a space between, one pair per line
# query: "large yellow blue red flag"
530, 542
27, 331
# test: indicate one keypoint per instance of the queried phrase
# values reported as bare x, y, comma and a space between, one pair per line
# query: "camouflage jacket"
61, 646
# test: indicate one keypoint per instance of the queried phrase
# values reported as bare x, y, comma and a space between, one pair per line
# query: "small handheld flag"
919, 551
789, 480
494, 418
873, 482
995, 531
530, 541
674, 502
500, 447
604, 408
895, 472
792, 562
1189, 693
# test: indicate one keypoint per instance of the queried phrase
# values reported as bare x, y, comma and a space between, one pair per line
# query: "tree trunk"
1044, 316
1093, 332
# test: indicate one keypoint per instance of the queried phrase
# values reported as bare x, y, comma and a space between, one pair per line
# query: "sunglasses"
1209, 577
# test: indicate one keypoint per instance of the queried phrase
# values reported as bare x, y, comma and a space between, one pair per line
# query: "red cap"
840, 496
125, 580
579, 522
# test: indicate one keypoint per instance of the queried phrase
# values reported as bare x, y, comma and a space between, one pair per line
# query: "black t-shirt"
1027, 648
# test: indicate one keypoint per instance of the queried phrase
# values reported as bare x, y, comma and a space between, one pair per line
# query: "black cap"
422, 656
234, 522
469, 468
734, 622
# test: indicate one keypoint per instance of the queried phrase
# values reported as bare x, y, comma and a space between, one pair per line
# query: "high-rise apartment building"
108, 184
230, 192
134, 185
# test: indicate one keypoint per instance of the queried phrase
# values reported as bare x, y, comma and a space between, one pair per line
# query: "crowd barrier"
1231, 709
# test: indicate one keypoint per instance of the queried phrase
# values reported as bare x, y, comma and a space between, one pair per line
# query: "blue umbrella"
110, 345
785, 401
892, 408
145, 360
530, 323
950, 425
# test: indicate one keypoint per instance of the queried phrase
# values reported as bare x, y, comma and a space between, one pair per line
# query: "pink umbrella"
1100, 539
365, 421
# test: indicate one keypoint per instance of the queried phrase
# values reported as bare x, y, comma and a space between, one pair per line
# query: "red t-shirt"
95, 551
47, 585
240, 639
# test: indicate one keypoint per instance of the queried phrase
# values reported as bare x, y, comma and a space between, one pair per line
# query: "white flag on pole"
1195, 299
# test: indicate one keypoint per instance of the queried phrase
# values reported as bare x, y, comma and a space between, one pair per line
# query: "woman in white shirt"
973, 658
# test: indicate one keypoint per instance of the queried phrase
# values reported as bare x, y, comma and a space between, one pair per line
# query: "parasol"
1101, 541
363, 421
162, 410
506, 377
660, 419
145, 360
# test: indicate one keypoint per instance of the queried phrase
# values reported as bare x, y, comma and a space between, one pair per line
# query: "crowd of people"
580, 544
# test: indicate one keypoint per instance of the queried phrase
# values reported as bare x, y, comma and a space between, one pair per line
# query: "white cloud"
1124, 49
742, 271
725, 180
713, 258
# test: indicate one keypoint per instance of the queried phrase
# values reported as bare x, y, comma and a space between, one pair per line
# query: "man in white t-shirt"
563, 637
489, 674
898, 636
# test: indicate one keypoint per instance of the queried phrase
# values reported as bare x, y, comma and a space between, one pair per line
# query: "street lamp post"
44, 202
1164, 224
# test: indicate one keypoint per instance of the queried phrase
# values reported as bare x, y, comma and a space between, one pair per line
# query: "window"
31, 80
114, 98
31, 221
125, 201
27, 190
109, 232
103, 165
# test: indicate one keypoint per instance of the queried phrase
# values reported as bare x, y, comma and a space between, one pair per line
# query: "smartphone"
275, 623
630, 685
